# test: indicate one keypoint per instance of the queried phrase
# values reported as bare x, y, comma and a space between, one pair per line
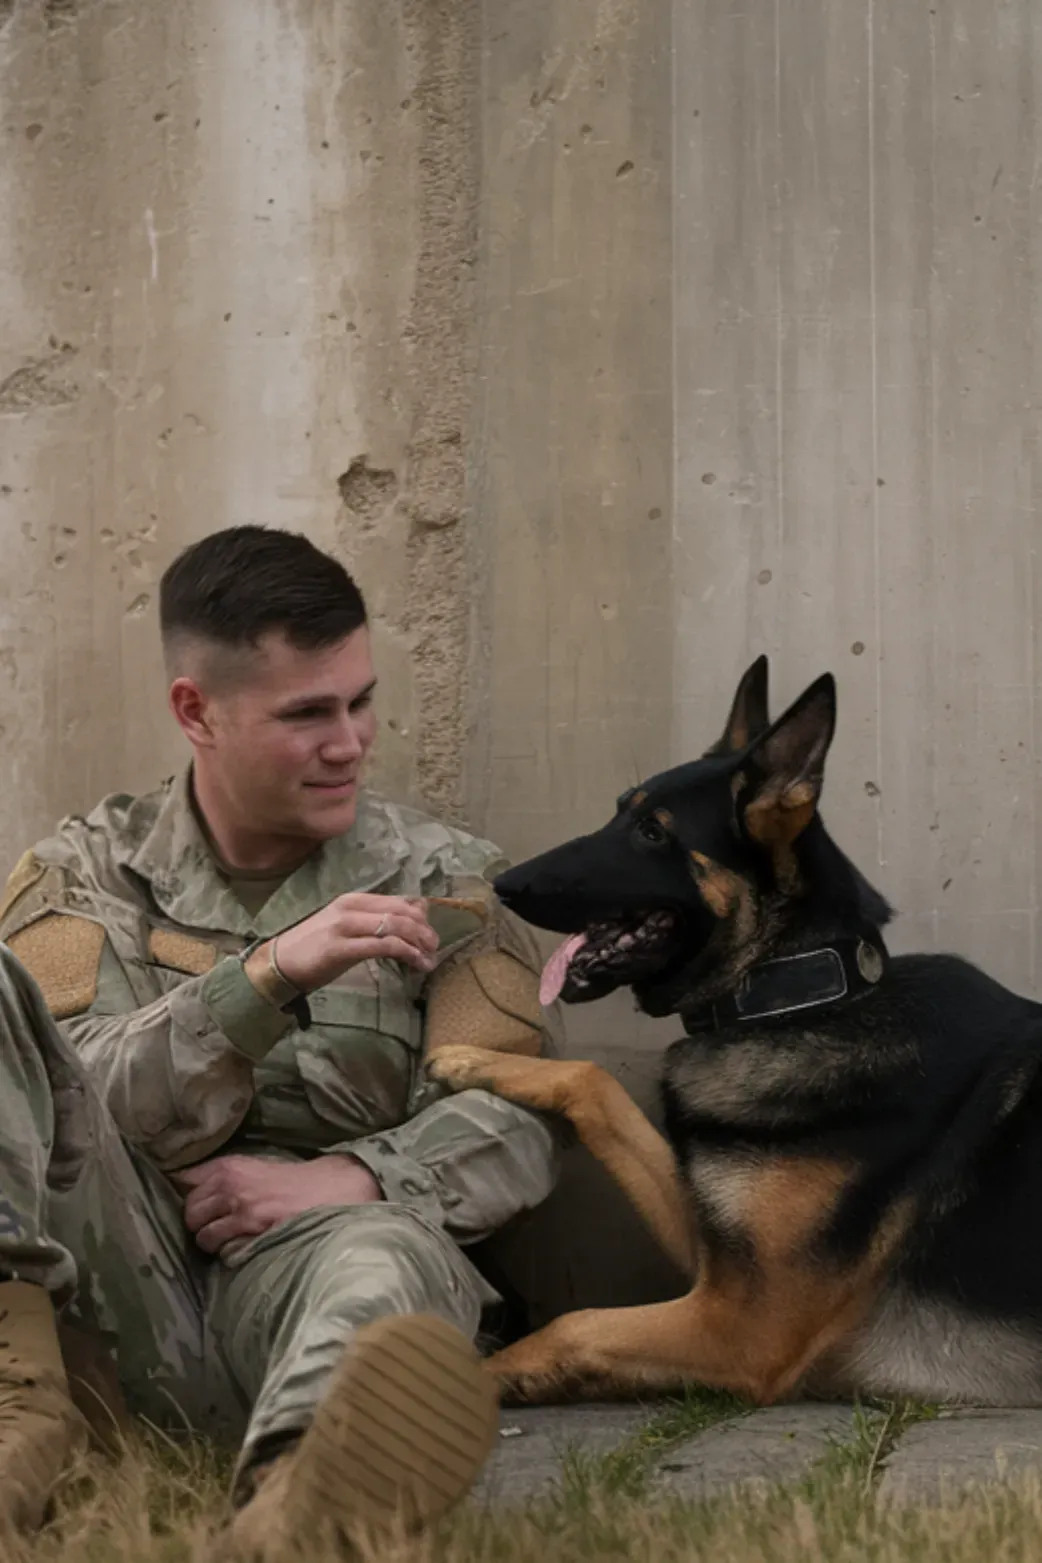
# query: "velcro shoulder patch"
63, 954
511, 987
181, 952
490, 1001
22, 877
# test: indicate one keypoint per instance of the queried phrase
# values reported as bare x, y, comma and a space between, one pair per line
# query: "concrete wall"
611, 344
763, 375
857, 406
236, 261
573, 462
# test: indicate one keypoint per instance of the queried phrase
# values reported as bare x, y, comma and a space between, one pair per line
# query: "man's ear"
783, 778
748, 718
191, 710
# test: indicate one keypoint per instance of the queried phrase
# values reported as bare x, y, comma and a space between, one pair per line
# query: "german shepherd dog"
854, 1168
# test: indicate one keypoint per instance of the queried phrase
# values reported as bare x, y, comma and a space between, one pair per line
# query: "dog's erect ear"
786, 767
748, 717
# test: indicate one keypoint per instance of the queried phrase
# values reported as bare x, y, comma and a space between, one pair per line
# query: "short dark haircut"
240, 584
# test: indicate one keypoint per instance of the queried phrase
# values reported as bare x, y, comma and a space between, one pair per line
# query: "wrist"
261, 968
365, 1186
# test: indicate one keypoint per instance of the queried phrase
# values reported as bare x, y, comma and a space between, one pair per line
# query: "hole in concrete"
365, 490
58, 13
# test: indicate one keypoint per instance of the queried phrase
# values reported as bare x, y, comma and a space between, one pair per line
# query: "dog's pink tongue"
556, 968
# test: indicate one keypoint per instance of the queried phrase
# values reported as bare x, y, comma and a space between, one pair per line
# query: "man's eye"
652, 833
362, 703
305, 714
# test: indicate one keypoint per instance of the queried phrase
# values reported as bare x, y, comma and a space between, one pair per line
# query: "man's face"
287, 737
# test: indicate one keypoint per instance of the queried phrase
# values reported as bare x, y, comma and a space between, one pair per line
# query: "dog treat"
473, 904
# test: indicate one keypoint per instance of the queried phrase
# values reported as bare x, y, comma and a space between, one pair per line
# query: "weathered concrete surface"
751, 1454
770, 1448
857, 392
937, 1462
236, 245
571, 482
535, 1443
573, 455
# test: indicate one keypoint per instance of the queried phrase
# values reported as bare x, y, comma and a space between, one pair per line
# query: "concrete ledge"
534, 1442
754, 1453
940, 1461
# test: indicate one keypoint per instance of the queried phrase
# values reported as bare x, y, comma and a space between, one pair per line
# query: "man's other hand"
235, 1197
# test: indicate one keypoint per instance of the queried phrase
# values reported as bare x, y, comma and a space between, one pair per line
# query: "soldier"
219, 1148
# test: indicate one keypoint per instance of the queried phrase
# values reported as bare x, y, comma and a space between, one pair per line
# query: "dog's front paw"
527, 1375
531, 1390
460, 1067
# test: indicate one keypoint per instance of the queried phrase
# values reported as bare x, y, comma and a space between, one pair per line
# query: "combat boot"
41, 1432
401, 1434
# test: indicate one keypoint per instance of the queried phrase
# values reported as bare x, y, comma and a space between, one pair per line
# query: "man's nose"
345, 743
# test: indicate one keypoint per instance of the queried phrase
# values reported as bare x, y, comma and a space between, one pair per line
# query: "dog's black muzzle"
570, 887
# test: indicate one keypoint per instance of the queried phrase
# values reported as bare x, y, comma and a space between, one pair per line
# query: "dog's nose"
506, 885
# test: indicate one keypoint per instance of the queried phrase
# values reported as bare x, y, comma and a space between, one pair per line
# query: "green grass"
165, 1501
858, 1460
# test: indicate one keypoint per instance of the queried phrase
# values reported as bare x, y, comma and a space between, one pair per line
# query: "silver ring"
381, 928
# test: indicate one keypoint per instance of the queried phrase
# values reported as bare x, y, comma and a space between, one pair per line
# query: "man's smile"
334, 788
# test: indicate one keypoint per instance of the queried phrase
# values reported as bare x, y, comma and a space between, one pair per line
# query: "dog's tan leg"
756, 1322
758, 1345
607, 1120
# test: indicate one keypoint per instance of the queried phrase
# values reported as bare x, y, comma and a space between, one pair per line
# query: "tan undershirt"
252, 890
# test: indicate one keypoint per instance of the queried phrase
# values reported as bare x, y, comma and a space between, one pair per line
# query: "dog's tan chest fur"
777, 1207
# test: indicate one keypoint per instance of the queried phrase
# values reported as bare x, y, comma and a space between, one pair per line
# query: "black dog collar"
811, 980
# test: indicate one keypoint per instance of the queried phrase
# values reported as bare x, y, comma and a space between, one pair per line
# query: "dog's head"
699, 862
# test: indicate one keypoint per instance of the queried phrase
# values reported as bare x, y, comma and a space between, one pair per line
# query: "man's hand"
325, 945
234, 1197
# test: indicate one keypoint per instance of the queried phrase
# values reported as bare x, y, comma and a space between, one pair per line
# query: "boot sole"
402, 1432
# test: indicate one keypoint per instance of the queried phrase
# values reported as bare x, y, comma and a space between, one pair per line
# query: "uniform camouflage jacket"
133, 934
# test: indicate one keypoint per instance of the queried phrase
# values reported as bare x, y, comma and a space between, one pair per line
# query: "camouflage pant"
240, 1348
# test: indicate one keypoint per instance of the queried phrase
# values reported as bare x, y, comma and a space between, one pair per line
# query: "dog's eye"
652, 833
